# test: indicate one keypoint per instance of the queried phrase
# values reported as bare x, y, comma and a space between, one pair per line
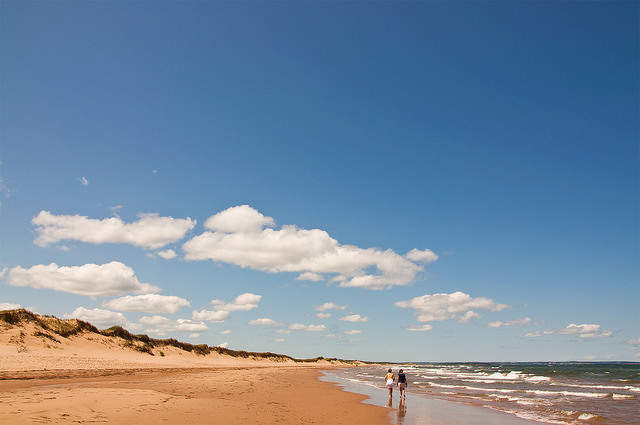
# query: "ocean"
556, 393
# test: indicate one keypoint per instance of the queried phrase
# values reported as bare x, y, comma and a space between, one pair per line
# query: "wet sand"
422, 410
245, 395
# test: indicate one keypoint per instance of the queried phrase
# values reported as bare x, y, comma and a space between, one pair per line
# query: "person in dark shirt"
402, 383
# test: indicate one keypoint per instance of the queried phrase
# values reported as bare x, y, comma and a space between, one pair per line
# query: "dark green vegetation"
143, 343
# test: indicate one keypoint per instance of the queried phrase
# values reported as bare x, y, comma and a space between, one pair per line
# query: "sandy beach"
242, 395
66, 371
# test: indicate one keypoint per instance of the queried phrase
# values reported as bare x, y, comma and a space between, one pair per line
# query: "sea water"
557, 393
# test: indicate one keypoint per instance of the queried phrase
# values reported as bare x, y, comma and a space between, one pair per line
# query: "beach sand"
242, 395
56, 371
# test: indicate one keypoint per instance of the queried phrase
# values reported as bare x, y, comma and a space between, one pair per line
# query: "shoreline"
421, 409
275, 394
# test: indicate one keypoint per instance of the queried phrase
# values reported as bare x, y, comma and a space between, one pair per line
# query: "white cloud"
632, 341
420, 328
194, 335
516, 322
109, 279
279, 339
3, 272
330, 306
242, 218
354, 318
331, 335
9, 306
242, 302
456, 305
63, 247
167, 254
313, 277
283, 331
225, 332
238, 236
468, 316
84, 181
426, 256
224, 345
149, 303
160, 325
150, 230
264, 321
533, 334
603, 334
353, 332
210, 316
308, 328
98, 317
323, 315
587, 331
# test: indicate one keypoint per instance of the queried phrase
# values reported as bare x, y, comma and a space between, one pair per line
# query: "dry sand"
251, 395
89, 377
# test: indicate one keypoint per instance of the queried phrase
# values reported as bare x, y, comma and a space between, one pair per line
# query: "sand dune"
30, 341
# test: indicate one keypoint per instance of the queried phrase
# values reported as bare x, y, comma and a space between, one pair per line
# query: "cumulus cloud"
98, 317
354, 318
161, 325
167, 254
516, 322
242, 302
195, 335
210, 316
308, 328
532, 334
9, 306
353, 332
283, 331
225, 332
111, 279
313, 277
224, 345
264, 321
149, 303
279, 339
323, 315
241, 219
587, 331
244, 237
426, 256
3, 272
420, 328
632, 341
150, 230
468, 316
456, 305
330, 306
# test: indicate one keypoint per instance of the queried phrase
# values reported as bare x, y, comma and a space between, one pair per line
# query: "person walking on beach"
390, 383
402, 384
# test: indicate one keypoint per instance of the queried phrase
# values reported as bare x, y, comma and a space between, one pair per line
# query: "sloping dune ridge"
29, 341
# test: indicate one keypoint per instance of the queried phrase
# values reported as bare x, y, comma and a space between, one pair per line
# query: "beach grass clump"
46, 335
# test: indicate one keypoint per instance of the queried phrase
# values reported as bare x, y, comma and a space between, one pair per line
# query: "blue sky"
501, 137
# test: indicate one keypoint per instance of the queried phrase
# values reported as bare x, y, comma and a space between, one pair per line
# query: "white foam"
586, 416
623, 396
